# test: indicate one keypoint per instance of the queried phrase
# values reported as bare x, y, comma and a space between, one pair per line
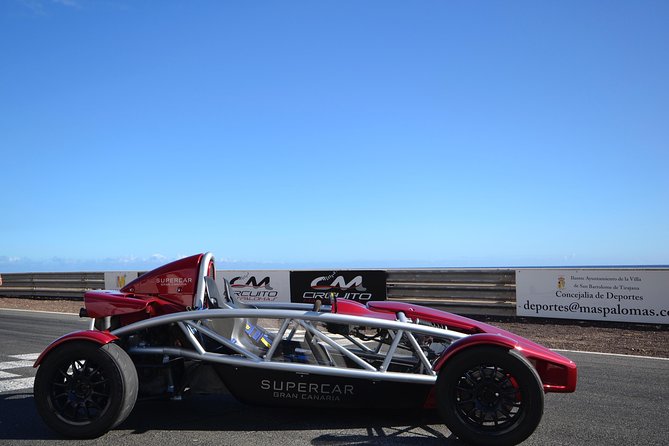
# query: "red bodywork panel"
455, 322
558, 374
175, 282
168, 289
353, 308
101, 304
98, 337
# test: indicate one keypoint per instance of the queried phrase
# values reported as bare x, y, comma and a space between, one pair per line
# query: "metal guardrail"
467, 291
50, 285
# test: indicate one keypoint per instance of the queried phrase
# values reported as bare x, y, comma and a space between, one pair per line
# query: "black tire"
83, 389
490, 396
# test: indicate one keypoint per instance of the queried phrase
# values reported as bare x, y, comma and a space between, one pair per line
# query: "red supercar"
172, 332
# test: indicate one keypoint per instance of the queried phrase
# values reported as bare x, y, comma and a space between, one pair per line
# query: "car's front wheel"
83, 389
490, 396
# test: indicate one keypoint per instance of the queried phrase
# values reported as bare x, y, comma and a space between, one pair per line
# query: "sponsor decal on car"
307, 390
174, 281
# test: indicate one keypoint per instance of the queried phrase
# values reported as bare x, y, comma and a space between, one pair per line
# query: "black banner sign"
358, 285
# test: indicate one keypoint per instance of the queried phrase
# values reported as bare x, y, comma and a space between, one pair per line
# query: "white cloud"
70, 3
4, 260
159, 257
39, 7
36, 6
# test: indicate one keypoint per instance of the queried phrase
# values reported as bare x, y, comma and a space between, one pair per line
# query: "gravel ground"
630, 339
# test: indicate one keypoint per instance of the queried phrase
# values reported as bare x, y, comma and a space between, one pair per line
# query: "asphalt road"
619, 401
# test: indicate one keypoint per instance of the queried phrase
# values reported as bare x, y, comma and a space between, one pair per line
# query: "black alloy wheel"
490, 396
83, 389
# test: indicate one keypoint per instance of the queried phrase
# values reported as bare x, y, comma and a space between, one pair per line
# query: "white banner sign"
602, 294
257, 286
116, 280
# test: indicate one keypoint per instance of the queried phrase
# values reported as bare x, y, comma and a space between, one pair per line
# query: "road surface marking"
28, 357
39, 311
12, 381
16, 384
15, 364
620, 355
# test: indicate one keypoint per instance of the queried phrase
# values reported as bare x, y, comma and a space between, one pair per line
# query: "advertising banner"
358, 285
115, 280
256, 286
623, 295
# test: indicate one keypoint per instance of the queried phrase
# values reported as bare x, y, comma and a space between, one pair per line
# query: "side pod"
98, 337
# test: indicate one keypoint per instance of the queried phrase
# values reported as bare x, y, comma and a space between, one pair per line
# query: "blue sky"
333, 133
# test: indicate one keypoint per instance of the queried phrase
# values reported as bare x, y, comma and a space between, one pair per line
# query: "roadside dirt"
629, 339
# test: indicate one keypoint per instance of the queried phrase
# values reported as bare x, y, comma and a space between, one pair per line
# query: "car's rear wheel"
490, 396
83, 389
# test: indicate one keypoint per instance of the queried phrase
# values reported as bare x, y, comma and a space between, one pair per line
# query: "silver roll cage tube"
198, 300
198, 322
